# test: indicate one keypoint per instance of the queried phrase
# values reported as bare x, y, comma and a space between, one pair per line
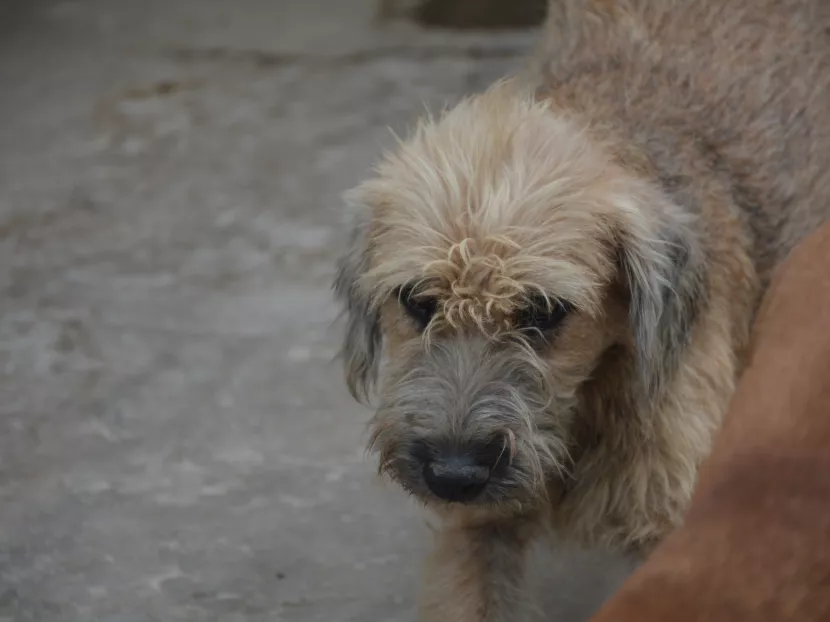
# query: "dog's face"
499, 255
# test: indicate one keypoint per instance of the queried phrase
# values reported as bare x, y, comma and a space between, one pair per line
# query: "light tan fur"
669, 155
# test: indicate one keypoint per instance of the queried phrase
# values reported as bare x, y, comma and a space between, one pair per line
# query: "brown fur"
756, 541
669, 154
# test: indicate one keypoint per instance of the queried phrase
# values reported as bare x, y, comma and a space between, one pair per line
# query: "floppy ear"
665, 269
362, 340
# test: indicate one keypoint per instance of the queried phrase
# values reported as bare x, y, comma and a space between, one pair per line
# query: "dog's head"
499, 254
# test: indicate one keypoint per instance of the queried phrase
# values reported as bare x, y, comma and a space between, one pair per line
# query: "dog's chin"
487, 506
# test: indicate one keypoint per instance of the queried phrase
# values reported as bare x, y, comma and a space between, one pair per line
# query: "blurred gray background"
176, 443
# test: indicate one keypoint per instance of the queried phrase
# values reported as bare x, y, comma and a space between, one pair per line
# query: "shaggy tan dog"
560, 280
755, 544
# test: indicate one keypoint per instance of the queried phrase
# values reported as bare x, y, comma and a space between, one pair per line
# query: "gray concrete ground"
175, 443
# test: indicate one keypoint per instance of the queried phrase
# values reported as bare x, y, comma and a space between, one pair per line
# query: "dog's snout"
456, 476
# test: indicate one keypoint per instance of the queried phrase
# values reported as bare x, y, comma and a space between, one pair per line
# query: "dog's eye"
420, 308
542, 314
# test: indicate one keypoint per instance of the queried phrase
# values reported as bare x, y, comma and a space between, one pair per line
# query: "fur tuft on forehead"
499, 199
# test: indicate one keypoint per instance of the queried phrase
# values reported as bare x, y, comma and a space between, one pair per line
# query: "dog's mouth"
463, 472
455, 480
458, 481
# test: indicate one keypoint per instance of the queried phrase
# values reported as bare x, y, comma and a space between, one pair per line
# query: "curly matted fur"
635, 199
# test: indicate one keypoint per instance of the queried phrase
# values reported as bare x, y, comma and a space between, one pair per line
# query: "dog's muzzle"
447, 431
456, 476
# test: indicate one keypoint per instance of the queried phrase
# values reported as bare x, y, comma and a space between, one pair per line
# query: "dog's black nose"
456, 477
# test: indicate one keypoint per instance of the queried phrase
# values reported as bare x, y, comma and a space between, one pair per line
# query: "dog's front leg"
477, 573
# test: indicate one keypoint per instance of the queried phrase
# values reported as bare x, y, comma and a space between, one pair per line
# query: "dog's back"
744, 85
756, 543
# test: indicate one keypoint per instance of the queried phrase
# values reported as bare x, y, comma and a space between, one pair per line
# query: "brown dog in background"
560, 280
756, 540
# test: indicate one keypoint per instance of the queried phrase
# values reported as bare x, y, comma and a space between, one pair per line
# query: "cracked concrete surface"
175, 442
